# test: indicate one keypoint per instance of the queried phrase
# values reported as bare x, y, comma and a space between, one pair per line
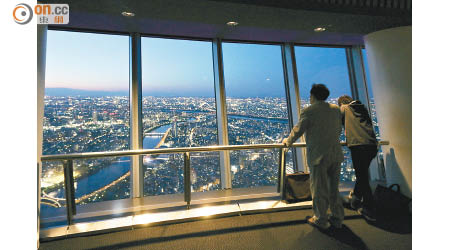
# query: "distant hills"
82, 92
98, 93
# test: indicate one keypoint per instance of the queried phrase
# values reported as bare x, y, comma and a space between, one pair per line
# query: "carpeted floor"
276, 230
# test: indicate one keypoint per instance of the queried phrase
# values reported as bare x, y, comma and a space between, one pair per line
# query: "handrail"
68, 166
172, 151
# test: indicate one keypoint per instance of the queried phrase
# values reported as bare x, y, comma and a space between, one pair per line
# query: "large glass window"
257, 110
179, 110
327, 66
86, 110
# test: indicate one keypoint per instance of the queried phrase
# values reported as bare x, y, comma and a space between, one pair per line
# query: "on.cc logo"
22, 13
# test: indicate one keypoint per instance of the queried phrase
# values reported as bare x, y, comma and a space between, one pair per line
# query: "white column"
389, 59
41, 51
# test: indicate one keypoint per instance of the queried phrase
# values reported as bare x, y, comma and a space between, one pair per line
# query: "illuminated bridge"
52, 201
154, 134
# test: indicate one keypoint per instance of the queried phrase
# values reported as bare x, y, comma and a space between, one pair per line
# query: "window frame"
290, 78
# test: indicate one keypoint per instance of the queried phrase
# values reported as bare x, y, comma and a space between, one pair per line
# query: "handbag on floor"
296, 188
391, 203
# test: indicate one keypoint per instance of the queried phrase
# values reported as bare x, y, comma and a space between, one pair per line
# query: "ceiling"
346, 21
361, 7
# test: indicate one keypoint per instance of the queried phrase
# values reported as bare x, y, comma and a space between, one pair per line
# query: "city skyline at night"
87, 109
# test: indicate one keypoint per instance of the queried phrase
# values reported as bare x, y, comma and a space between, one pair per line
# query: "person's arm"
298, 130
342, 115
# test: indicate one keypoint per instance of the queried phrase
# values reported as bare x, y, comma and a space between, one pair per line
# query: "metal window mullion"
293, 99
357, 52
356, 74
359, 87
137, 174
221, 112
41, 65
358, 57
351, 73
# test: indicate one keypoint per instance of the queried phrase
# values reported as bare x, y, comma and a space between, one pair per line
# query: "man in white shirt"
321, 124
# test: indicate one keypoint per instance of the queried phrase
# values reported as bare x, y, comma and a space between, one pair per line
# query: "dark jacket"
357, 124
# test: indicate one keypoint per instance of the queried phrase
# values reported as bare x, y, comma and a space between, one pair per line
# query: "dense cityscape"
74, 124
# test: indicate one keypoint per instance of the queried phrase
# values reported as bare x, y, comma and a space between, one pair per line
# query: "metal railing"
67, 160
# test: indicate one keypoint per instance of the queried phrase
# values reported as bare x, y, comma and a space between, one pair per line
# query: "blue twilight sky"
173, 67
322, 65
170, 67
253, 70
86, 61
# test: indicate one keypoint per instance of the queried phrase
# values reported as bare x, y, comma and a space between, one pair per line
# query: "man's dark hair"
345, 99
320, 91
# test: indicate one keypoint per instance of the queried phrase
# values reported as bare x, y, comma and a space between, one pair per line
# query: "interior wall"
389, 54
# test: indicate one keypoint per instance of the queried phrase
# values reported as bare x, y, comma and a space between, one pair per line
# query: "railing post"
70, 191
281, 171
187, 179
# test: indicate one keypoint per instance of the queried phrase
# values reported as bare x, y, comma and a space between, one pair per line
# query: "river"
89, 184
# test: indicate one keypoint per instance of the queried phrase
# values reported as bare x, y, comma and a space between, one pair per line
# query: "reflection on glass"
163, 174
327, 66
94, 180
205, 172
257, 110
179, 110
108, 179
86, 110
52, 189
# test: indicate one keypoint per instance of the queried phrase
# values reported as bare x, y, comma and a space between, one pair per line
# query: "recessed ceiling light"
232, 23
128, 14
320, 29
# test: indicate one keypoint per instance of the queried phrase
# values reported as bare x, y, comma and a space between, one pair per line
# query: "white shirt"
322, 125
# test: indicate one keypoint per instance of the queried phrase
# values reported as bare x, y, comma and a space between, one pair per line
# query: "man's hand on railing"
286, 142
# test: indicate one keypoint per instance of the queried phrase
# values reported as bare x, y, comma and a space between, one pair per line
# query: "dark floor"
276, 230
